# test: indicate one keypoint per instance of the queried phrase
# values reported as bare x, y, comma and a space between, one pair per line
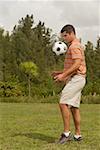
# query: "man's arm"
73, 68
69, 72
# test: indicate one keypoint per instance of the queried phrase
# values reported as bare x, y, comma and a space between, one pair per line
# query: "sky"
84, 15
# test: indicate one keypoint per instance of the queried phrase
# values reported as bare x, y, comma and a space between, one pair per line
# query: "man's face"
66, 37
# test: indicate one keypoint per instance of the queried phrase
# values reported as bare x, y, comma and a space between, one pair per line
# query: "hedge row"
89, 99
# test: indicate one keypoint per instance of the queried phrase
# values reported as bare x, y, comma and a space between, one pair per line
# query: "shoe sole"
79, 139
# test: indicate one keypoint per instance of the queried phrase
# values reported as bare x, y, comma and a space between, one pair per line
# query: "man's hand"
61, 78
55, 73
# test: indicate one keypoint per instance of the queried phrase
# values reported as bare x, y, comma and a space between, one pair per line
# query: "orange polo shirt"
75, 51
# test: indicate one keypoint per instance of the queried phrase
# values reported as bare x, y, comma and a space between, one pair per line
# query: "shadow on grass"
39, 136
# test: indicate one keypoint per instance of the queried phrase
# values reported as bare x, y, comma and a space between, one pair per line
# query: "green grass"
37, 126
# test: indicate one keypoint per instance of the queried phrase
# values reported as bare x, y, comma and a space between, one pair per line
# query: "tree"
1, 53
30, 70
4, 54
25, 25
93, 66
97, 58
89, 52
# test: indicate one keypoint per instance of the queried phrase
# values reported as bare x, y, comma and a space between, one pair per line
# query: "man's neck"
73, 38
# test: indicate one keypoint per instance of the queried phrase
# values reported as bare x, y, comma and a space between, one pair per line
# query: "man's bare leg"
76, 118
66, 116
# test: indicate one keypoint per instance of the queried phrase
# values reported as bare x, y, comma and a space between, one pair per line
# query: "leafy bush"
92, 88
9, 89
90, 99
47, 88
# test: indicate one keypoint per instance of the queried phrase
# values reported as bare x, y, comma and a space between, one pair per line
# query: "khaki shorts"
71, 94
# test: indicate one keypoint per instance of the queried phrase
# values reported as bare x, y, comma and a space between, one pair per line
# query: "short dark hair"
68, 28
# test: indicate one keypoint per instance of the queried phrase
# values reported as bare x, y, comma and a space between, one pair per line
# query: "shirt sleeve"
76, 52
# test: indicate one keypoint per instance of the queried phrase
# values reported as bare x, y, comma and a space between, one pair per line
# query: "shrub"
92, 88
91, 99
9, 89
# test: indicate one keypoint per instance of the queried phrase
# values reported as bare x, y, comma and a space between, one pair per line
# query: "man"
74, 74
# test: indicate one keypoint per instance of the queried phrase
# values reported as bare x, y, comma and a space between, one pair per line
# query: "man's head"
68, 33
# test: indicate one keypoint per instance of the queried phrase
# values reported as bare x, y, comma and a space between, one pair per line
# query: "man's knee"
62, 106
74, 109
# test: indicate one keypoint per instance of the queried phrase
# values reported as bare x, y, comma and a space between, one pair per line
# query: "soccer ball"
59, 48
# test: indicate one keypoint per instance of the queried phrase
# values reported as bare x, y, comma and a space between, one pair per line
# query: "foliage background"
33, 43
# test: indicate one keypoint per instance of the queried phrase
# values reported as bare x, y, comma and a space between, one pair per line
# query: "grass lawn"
37, 126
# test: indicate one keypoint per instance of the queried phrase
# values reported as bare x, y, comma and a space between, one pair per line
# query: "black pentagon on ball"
58, 48
64, 49
60, 42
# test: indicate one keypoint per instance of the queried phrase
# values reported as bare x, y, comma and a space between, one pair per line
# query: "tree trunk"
29, 87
